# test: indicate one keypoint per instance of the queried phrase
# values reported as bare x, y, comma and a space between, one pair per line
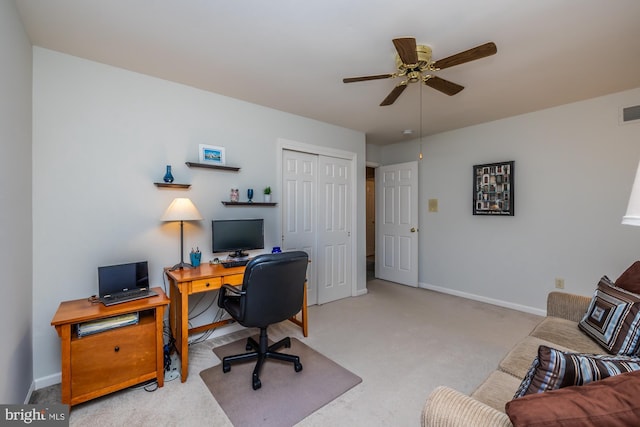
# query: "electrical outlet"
559, 283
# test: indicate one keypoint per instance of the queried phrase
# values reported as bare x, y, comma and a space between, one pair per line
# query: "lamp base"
180, 266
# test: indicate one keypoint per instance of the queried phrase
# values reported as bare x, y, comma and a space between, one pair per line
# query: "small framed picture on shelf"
210, 154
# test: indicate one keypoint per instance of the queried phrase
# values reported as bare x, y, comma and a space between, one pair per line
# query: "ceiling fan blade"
472, 54
394, 94
444, 86
406, 48
365, 78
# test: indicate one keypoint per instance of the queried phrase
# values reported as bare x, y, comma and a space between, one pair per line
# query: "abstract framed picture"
210, 154
493, 189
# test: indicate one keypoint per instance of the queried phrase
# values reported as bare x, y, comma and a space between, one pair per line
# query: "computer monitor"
237, 235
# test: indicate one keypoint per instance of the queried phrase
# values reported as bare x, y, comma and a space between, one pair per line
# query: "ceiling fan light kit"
414, 63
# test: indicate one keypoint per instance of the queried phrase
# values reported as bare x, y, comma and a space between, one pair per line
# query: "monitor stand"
238, 254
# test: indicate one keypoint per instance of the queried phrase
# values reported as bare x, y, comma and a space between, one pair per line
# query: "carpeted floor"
402, 342
286, 396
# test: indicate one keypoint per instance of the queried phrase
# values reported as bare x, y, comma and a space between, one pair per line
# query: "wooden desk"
205, 278
102, 363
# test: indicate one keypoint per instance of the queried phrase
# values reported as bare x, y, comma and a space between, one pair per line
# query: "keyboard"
236, 263
127, 296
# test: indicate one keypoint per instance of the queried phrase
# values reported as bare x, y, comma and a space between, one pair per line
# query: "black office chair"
272, 291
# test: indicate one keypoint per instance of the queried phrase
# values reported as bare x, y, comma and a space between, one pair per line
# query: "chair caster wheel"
226, 367
256, 384
297, 367
287, 343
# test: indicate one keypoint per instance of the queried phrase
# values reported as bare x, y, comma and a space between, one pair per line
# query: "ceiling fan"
414, 62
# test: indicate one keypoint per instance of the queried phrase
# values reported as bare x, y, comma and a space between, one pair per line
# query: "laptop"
123, 283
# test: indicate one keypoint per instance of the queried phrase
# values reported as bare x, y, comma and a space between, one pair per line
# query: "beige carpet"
286, 396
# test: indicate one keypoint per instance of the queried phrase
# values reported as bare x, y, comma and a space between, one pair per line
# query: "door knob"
413, 229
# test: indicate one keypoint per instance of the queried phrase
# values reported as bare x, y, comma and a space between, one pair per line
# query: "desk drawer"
233, 279
204, 285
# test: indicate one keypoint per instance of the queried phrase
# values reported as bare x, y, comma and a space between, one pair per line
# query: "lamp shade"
632, 217
181, 209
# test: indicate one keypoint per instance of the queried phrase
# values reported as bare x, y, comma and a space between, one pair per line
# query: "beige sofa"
486, 405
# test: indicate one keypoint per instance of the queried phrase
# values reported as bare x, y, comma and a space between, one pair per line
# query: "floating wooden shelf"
249, 204
204, 165
171, 185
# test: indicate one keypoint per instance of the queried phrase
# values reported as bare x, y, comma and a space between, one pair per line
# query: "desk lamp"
181, 209
632, 217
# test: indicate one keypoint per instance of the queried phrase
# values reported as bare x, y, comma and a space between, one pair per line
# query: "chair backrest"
274, 287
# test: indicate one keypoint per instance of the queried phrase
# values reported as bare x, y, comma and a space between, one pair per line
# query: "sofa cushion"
554, 369
497, 390
613, 319
518, 361
565, 333
612, 402
630, 279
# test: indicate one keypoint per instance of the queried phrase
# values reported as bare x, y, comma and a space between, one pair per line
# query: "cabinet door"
110, 358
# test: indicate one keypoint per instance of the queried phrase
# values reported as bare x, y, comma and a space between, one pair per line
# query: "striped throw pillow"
554, 369
613, 319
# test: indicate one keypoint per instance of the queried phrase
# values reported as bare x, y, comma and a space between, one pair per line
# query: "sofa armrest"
446, 407
567, 306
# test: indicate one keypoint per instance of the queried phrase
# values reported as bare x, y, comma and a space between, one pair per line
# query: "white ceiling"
291, 55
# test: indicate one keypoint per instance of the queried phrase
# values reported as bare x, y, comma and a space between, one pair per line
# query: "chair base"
261, 352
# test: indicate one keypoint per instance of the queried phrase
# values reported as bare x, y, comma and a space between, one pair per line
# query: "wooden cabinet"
99, 364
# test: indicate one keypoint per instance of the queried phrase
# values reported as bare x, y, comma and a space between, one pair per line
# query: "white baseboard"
43, 382
500, 303
29, 393
361, 292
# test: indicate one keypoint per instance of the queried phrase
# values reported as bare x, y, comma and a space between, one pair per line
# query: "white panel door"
334, 229
299, 211
397, 223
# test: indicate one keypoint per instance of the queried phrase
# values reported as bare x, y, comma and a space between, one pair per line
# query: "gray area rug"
286, 396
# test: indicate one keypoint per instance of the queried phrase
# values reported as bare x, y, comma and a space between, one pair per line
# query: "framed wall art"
210, 154
493, 189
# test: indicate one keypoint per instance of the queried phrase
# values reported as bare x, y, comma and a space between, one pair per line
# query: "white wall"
15, 215
574, 167
102, 136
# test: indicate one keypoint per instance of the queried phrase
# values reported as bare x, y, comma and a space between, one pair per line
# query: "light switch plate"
433, 205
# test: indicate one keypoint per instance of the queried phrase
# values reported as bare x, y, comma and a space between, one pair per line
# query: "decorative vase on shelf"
250, 195
168, 178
